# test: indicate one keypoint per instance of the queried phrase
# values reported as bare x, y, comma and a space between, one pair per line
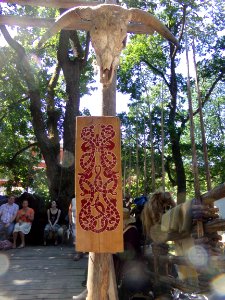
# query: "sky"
93, 103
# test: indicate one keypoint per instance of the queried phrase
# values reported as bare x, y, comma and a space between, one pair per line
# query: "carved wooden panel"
98, 184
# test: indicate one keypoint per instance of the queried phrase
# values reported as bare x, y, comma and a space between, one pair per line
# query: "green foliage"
145, 63
17, 160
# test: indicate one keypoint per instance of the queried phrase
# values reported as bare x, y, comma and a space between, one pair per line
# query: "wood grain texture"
99, 222
41, 273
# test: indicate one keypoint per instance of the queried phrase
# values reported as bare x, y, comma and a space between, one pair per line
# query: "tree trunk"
204, 145
175, 134
152, 149
130, 174
137, 161
60, 177
163, 140
145, 164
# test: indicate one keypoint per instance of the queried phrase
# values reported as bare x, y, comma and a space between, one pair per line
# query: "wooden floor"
40, 273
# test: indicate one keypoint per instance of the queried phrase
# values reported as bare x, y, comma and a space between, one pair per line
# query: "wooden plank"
99, 222
26, 21
53, 3
215, 194
26, 288
42, 273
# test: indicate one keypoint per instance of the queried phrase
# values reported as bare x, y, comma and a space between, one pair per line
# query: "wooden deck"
40, 273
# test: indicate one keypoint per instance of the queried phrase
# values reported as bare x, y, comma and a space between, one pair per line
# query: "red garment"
25, 216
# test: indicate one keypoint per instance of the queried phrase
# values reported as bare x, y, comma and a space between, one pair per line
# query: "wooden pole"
137, 157
162, 136
124, 171
204, 145
193, 146
152, 147
129, 184
145, 163
215, 194
101, 283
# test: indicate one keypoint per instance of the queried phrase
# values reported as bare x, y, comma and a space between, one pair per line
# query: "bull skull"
108, 26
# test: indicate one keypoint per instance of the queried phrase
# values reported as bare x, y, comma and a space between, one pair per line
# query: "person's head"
53, 204
154, 208
11, 199
25, 203
127, 218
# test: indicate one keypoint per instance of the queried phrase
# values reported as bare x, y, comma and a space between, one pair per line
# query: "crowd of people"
130, 266
16, 222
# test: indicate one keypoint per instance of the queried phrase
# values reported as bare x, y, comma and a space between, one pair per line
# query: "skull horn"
77, 17
147, 19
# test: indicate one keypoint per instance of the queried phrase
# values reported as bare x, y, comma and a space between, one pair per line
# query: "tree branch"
53, 115
168, 170
182, 30
21, 151
156, 71
76, 46
207, 96
33, 91
88, 39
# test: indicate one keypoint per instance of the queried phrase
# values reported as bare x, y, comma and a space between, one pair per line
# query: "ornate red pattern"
98, 181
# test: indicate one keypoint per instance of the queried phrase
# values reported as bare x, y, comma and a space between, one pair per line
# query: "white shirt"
7, 211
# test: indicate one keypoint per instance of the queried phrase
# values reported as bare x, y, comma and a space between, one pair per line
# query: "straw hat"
127, 218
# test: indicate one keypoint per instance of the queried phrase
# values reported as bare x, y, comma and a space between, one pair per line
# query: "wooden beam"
216, 225
40, 22
53, 3
219, 261
215, 194
175, 283
26, 21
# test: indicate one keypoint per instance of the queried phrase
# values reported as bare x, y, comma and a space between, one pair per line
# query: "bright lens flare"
4, 264
68, 159
198, 256
218, 284
36, 60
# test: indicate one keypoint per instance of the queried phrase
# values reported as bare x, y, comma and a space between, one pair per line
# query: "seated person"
52, 227
24, 219
129, 265
8, 212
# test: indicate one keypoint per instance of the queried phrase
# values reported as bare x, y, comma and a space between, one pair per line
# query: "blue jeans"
5, 232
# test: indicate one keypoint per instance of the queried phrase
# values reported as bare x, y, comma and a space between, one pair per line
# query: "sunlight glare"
68, 159
4, 264
21, 282
218, 284
36, 60
198, 256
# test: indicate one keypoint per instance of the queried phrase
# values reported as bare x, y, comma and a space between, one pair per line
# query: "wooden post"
101, 275
193, 145
163, 138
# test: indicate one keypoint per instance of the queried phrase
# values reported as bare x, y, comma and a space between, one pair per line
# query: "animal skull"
108, 35
108, 26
